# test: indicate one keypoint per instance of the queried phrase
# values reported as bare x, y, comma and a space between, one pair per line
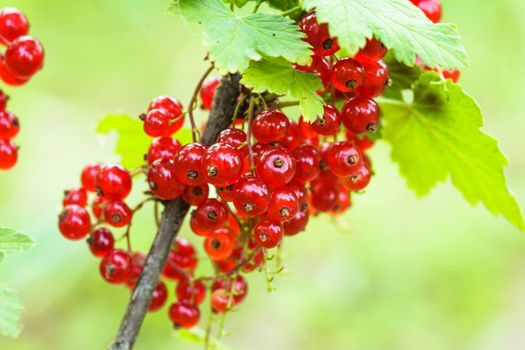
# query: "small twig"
193, 102
292, 10
249, 133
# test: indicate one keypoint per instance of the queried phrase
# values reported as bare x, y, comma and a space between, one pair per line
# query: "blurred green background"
397, 272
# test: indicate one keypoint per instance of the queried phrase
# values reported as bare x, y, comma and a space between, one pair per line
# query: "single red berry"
343, 158
318, 36
347, 75
13, 24
98, 206
113, 182
432, 9
234, 137
283, 205
74, 222
208, 216
297, 224
321, 67
157, 123
452, 74
207, 92
3, 100
359, 180
195, 195
115, 267
220, 300
182, 259
223, 163
219, 245
163, 181
188, 162
325, 196
307, 163
8, 154
191, 291
276, 167
117, 214
163, 148
24, 57
251, 196
172, 108
376, 79
159, 297
373, 51
240, 288
227, 192
10, 78
268, 233
76, 196
294, 138
301, 193
138, 259
344, 202
184, 314
361, 115
270, 126
9, 125
101, 242
329, 122
88, 177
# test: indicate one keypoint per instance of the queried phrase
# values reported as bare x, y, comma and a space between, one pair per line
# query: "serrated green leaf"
400, 25
10, 312
235, 40
12, 241
279, 77
438, 137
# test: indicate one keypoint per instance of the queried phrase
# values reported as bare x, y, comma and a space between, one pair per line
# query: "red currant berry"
343, 202
98, 206
307, 163
208, 216
163, 148
220, 300
361, 115
321, 67
318, 36
376, 79
297, 224
172, 108
240, 289
182, 258
190, 291
89, 177
363, 142
76, 196
270, 126
283, 205
184, 314
276, 167
226, 192
301, 193
359, 180
115, 267
223, 163
138, 259
294, 138
9, 125
10, 78
189, 164
117, 214
157, 123
159, 297
101, 242
3, 101
8, 154
219, 245
343, 158
268, 233
325, 196
329, 123
452, 74
347, 75
251, 196
24, 57
162, 180
432, 9
234, 137
113, 182
373, 51
208, 89
195, 195
74, 222
13, 24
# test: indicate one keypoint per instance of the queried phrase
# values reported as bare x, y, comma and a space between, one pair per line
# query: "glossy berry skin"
301, 193
343, 158
294, 138
329, 123
24, 57
268, 233
163, 148
234, 137
13, 24
9, 77
220, 299
188, 162
219, 245
3, 100
113, 182
208, 91
347, 75
8, 154
184, 314
223, 163
361, 115
240, 288
195, 195
117, 214
363, 142
251, 196
162, 180
157, 123
101, 242
432, 9
270, 126
343, 202
115, 267
74, 222
208, 216
321, 67
283, 205
88, 178
297, 224
172, 109
276, 167
307, 163
9, 125
76, 196
182, 258
137, 264
376, 79
98, 206
317, 36
159, 297
190, 291
373, 51
226, 192
359, 180
324, 196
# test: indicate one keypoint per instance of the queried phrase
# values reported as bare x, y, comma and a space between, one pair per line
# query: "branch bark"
172, 218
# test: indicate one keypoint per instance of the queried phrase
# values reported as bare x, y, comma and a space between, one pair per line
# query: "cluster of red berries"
22, 58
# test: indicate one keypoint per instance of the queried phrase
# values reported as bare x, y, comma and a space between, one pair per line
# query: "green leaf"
12, 241
238, 3
235, 40
10, 312
402, 78
438, 137
278, 76
198, 336
400, 25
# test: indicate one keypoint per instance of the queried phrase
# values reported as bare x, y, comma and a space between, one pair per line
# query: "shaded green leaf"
402, 77
10, 312
12, 241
